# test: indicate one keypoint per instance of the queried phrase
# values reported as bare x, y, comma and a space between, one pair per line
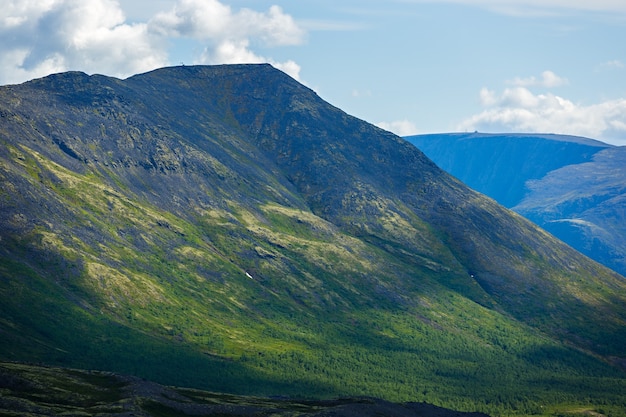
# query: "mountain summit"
224, 227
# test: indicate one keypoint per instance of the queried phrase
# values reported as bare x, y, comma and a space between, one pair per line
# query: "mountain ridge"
228, 219
495, 164
570, 186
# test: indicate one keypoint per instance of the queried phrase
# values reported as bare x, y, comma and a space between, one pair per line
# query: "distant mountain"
225, 228
500, 165
573, 187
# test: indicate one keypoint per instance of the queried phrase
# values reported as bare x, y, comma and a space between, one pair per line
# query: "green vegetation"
305, 323
205, 261
34, 390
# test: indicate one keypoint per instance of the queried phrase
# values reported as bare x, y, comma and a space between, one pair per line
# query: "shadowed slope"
224, 227
573, 187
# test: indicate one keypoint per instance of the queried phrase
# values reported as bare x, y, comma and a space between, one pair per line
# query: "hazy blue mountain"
573, 187
223, 227
585, 206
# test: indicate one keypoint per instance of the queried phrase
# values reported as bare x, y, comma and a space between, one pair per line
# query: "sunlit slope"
224, 227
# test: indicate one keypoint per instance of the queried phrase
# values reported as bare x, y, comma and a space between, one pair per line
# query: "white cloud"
356, 93
212, 20
487, 97
237, 52
399, 127
52, 36
548, 79
615, 64
40, 37
227, 34
519, 110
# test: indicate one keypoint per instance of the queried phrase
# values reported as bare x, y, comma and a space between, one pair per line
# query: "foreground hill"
37, 390
225, 228
573, 187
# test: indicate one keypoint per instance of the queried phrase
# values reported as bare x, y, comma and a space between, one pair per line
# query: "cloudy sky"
411, 66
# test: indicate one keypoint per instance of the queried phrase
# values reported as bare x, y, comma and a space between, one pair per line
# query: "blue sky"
411, 66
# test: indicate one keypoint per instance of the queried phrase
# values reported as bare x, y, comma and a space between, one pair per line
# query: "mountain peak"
229, 215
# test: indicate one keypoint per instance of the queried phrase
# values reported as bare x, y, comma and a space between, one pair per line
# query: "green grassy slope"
29, 390
236, 233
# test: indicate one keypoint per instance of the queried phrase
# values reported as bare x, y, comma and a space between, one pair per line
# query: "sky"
409, 66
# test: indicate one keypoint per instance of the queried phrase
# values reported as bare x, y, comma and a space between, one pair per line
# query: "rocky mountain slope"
573, 187
225, 228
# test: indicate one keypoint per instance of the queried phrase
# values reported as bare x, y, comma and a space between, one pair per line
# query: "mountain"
571, 186
37, 390
224, 228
